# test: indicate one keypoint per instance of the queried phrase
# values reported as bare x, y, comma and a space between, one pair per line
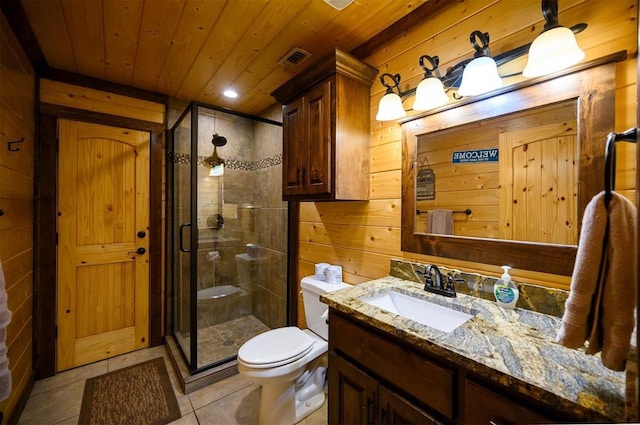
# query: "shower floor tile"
225, 339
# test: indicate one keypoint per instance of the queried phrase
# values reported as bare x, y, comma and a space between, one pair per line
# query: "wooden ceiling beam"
19, 23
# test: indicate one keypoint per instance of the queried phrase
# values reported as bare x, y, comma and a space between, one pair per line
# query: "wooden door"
103, 262
395, 409
317, 173
539, 184
352, 394
294, 149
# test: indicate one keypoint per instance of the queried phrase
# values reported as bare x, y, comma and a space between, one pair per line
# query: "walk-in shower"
226, 233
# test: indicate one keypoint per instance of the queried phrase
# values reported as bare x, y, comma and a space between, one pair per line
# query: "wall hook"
10, 145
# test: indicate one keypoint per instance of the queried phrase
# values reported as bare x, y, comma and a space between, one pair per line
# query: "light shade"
552, 51
430, 94
217, 170
480, 76
390, 108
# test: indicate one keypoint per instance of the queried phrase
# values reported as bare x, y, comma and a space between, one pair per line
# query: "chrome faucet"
433, 282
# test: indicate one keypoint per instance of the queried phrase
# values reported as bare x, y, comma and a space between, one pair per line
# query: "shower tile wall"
269, 301
253, 213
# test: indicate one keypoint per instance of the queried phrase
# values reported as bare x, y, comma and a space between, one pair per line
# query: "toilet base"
309, 406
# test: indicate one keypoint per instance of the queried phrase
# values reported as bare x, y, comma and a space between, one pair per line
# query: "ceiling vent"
338, 4
295, 57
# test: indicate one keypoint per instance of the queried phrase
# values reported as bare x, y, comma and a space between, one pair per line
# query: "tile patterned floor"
223, 340
235, 400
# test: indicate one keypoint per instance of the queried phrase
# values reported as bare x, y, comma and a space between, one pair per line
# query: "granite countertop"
515, 348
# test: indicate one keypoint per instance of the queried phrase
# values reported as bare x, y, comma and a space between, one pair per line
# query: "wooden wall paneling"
195, 23
385, 185
88, 99
121, 28
383, 240
385, 157
382, 212
88, 58
160, 24
17, 91
358, 262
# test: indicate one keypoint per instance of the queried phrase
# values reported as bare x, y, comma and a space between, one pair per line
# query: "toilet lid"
275, 347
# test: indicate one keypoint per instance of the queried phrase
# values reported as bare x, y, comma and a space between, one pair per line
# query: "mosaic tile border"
532, 297
231, 164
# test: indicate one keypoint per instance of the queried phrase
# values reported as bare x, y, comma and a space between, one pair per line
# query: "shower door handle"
182, 226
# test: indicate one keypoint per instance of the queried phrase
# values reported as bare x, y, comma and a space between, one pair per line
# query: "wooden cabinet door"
103, 264
294, 150
318, 116
352, 394
483, 406
394, 409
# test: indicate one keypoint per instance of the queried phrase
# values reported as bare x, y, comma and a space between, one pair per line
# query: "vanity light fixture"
479, 75
430, 92
390, 106
555, 49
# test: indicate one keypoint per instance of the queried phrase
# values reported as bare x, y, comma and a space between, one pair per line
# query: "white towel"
440, 221
5, 318
601, 303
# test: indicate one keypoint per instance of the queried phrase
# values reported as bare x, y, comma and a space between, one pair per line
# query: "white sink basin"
422, 311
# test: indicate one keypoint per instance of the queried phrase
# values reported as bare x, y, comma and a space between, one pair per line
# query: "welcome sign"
476, 155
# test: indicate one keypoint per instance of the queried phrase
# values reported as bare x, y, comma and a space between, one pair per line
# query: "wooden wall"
363, 236
17, 90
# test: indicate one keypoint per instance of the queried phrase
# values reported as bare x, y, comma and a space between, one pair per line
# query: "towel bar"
630, 135
466, 212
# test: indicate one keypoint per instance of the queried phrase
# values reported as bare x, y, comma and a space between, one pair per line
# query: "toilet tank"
312, 288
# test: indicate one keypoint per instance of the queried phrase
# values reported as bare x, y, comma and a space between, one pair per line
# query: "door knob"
138, 251
142, 234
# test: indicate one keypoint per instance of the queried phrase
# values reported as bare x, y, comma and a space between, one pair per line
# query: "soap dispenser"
505, 291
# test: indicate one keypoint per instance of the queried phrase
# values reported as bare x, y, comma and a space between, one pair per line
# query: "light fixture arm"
395, 78
481, 49
434, 62
550, 13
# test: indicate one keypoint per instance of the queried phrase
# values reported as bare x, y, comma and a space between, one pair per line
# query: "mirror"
510, 177
578, 104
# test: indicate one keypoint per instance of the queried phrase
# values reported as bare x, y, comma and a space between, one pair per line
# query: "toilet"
288, 362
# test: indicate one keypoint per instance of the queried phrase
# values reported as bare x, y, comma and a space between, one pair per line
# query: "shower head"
218, 140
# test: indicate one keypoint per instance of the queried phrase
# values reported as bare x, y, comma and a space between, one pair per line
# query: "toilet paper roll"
321, 271
334, 274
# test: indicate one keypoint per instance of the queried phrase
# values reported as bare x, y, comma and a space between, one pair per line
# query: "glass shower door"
181, 228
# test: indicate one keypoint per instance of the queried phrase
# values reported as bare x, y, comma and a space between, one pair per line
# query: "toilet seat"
275, 348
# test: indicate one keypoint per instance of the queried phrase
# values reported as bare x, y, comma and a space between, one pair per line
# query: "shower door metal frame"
192, 359
174, 245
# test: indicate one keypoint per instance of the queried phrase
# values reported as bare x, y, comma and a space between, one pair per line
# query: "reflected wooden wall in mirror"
577, 107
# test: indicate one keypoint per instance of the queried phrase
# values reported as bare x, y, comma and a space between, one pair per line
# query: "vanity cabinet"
326, 123
361, 400
377, 379
484, 406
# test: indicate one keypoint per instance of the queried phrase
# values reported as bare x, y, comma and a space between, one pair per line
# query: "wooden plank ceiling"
194, 49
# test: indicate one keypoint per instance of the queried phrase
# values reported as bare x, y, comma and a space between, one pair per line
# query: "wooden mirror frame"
592, 85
